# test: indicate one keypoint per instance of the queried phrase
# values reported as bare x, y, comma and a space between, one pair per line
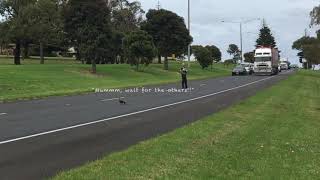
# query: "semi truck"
284, 64
267, 61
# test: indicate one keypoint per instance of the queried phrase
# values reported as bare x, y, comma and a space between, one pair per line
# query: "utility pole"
158, 5
189, 28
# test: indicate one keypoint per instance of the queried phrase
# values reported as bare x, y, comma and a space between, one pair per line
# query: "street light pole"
241, 35
189, 29
241, 43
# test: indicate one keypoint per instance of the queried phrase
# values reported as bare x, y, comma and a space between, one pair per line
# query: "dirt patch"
85, 72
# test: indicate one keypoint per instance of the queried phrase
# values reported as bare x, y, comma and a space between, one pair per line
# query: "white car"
279, 68
249, 67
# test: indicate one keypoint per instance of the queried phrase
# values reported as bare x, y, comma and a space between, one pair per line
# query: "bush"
140, 48
203, 56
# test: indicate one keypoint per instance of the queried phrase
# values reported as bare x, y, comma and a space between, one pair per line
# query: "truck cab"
266, 61
284, 66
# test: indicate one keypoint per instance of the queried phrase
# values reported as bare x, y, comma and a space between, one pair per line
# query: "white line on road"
113, 99
202, 85
130, 114
1, 114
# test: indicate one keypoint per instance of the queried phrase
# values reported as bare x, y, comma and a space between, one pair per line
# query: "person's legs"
184, 84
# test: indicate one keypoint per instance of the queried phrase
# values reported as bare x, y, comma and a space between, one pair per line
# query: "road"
40, 138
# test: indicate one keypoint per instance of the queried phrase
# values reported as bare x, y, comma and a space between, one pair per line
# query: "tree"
4, 36
47, 24
194, 48
126, 16
216, 54
265, 37
169, 33
249, 57
234, 51
309, 48
203, 56
228, 62
140, 48
300, 43
312, 53
17, 16
87, 24
301, 56
117, 50
315, 16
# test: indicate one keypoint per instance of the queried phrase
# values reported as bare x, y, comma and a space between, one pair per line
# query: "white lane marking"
202, 85
130, 114
113, 99
2, 114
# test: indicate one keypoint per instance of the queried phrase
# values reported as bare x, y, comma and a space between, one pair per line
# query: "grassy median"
66, 76
273, 135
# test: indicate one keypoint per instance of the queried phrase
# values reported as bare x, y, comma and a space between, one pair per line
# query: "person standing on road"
184, 72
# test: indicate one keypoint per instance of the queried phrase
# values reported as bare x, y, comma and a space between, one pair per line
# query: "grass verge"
65, 77
273, 135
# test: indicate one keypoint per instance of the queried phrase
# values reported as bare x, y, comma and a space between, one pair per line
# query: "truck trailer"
267, 61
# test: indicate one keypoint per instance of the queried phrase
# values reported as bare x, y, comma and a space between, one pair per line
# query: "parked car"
239, 70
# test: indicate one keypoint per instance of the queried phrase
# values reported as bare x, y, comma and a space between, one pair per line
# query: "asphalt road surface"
40, 138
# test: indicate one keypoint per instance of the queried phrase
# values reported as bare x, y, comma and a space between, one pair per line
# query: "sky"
287, 19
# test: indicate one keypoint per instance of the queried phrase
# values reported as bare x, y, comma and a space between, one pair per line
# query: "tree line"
308, 46
104, 32
101, 31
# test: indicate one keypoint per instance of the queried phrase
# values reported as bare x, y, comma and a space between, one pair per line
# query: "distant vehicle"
239, 70
279, 68
249, 67
294, 66
286, 60
266, 61
284, 66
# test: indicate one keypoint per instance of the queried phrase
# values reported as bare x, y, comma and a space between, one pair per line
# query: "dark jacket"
184, 73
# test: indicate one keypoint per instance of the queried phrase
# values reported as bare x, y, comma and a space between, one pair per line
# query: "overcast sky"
287, 19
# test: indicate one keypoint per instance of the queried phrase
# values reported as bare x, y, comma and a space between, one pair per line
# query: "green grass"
273, 135
66, 76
